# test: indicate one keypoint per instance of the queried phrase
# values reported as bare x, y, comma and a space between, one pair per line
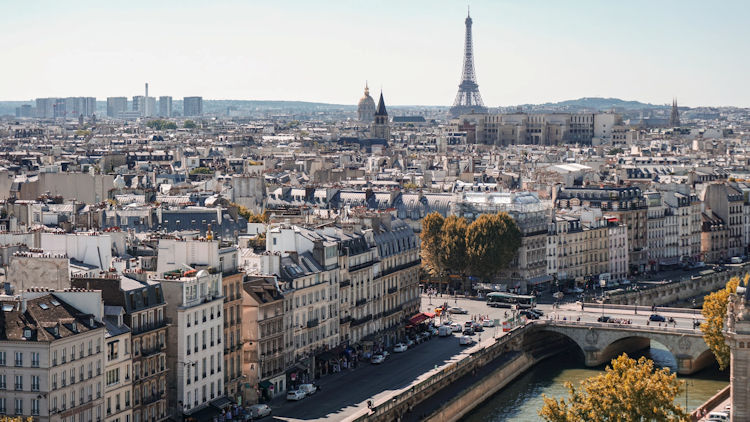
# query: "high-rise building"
165, 106
150, 109
116, 105
468, 100
192, 106
139, 104
25, 111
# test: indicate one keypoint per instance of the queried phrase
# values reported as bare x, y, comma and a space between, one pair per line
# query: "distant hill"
599, 103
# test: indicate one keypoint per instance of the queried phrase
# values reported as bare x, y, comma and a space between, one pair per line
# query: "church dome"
366, 107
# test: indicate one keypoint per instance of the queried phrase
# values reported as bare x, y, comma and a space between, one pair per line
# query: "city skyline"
325, 53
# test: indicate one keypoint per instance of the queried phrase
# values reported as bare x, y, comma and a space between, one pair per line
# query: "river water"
521, 400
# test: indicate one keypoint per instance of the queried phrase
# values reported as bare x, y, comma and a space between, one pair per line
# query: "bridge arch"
600, 342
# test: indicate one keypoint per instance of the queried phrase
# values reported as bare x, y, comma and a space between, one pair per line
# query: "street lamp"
602, 283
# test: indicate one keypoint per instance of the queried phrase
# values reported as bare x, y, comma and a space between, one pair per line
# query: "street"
343, 394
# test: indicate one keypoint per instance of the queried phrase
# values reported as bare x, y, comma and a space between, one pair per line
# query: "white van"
736, 260
718, 416
445, 331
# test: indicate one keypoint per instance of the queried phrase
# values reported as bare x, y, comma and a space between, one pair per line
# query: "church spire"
381, 111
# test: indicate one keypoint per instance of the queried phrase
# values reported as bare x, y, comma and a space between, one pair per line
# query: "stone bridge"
600, 342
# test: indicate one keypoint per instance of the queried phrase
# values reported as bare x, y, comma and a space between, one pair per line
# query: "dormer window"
74, 327
27, 333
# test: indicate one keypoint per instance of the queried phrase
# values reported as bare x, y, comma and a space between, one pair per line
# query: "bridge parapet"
600, 342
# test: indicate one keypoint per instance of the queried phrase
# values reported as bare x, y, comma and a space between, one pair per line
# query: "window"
113, 376
34, 407
2, 383
35, 359
2, 358
35, 383
19, 406
112, 352
19, 358
19, 382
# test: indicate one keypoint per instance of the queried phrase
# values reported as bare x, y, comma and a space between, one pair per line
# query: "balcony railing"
400, 267
392, 290
363, 265
312, 323
150, 327
360, 321
345, 319
360, 302
345, 283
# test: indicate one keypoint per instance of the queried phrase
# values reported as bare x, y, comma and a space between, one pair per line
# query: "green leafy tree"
201, 170
161, 124
189, 124
715, 312
432, 225
628, 391
491, 243
452, 250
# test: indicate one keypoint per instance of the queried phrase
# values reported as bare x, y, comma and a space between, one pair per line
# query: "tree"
452, 251
491, 243
715, 312
16, 419
252, 217
432, 225
161, 124
189, 124
201, 170
628, 391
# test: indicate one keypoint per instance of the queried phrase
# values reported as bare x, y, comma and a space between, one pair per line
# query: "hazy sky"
527, 51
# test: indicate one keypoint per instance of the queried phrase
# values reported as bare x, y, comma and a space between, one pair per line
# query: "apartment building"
195, 346
51, 356
687, 208
626, 203
714, 239
232, 287
618, 248
118, 381
143, 304
263, 334
577, 247
727, 203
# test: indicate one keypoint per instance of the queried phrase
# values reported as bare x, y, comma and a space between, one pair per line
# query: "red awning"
418, 318
429, 314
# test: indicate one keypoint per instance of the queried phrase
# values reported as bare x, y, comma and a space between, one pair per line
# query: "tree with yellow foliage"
715, 312
628, 391
16, 419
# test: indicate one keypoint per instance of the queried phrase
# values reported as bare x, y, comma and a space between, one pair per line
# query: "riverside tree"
628, 391
715, 312
452, 253
491, 243
432, 225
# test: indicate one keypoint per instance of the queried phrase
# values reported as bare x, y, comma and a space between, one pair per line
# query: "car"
376, 359
656, 318
456, 327
465, 341
294, 395
258, 411
718, 416
433, 331
468, 331
488, 323
537, 311
603, 318
384, 353
410, 343
468, 324
457, 310
308, 389
477, 327
445, 331
448, 322
399, 348
529, 315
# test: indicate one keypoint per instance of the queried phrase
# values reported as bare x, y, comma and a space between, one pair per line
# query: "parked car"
457, 310
258, 411
718, 416
384, 353
433, 331
465, 341
376, 359
477, 327
456, 327
603, 318
410, 343
468, 324
308, 389
399, 348
488, 323
656, 318
468, 331
295, 395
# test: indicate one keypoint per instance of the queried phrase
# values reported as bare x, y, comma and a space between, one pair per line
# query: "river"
522, 399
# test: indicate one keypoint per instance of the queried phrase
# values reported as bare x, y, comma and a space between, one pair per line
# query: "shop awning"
429, 314
418, 318
264, 384
221, 403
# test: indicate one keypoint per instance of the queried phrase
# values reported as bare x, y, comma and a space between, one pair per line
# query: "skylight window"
54, 302
7, 307
43, 306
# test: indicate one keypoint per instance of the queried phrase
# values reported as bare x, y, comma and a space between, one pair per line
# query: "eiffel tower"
468, 100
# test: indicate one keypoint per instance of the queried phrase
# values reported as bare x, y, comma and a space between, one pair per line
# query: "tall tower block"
468, 99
